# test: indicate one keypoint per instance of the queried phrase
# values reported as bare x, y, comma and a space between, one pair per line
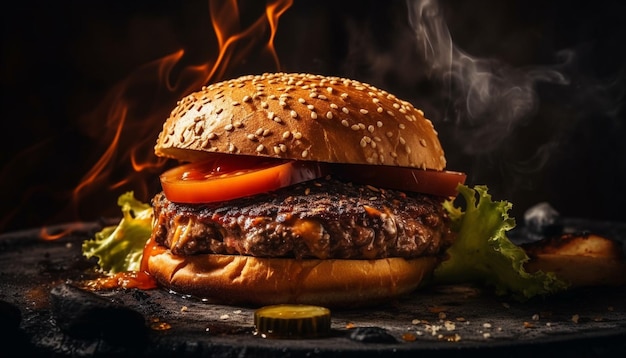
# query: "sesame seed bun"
303, 117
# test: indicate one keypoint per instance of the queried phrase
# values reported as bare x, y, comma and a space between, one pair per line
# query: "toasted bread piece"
581, 259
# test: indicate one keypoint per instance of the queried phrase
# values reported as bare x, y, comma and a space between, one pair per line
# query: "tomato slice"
439, 183
229, 177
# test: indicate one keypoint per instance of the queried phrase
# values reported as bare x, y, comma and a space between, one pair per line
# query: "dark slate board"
43, 313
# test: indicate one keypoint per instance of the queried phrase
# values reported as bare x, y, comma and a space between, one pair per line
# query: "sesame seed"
259, 132
329, 89
310, 107
270, 115
238, 124
345, 110
260, 148
379, 109
391, 113
334, 106
293, 114
402, 141
266, 132
212, 135
264, 104
297, 135
305, 153
276, 149
423, 142
251, 136
363, 111
370, 128
228, 127
401, 126
355, 127
283, 148
344, 95
313, 115
301, 100
286, 134
313, 94
345, 123
247, 98
235, 103
329, 115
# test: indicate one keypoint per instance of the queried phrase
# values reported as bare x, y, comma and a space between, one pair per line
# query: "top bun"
304, 117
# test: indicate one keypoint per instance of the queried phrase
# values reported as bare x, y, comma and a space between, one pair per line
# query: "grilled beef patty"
325, 219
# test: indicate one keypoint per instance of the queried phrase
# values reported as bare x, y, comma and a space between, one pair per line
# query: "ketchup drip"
130, 279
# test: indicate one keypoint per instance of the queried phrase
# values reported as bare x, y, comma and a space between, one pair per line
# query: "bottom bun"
248, 280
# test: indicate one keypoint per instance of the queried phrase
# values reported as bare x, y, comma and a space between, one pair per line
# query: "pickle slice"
292, 321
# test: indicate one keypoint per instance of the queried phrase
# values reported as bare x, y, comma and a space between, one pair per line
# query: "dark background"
550, 126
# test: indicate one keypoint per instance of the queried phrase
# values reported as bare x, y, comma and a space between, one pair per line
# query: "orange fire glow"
125, 126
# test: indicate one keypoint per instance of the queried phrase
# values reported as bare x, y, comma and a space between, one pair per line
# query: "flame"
124, 127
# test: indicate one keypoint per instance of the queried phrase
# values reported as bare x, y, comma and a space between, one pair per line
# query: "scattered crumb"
409, 337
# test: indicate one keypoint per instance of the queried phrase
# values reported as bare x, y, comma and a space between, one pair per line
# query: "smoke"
491, 99
526, 98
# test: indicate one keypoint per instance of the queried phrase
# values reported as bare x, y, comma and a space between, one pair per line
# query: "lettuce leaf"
483, 254
120, 248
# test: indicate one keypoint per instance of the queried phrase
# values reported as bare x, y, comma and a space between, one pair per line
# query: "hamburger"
298, 188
